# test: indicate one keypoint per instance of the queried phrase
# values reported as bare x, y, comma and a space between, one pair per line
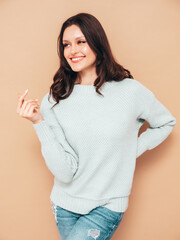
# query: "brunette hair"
107, 68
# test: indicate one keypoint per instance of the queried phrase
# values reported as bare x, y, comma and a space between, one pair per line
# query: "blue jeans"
100, 223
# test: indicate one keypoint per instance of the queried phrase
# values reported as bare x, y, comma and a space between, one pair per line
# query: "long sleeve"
161, 121
59, 156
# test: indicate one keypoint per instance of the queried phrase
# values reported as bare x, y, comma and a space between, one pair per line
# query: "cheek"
88, 52
85, 50
65, 54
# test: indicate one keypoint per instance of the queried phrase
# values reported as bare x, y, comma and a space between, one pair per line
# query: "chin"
77, 69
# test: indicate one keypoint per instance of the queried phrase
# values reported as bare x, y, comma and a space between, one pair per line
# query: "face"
77, 52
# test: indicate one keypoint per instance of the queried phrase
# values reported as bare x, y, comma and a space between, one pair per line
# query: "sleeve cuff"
44, 132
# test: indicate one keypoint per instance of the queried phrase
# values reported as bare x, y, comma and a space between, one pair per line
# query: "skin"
75, 44
27, 109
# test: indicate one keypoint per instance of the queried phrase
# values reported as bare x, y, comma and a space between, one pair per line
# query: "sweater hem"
83, 205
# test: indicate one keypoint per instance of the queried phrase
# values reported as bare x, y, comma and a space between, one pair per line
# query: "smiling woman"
90, 141
85, 56
79, 55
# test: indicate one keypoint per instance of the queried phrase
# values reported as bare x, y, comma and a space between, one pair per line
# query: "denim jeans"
100, 223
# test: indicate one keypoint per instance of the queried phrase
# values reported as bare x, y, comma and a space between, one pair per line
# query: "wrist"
36, 122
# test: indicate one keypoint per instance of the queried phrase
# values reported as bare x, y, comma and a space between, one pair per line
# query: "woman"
89, 138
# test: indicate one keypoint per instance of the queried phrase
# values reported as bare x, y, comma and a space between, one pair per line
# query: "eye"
65, 45
81, 41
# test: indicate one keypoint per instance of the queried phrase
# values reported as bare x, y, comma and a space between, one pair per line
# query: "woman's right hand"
27, 109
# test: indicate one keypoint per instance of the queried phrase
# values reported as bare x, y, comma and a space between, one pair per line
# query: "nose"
74, 49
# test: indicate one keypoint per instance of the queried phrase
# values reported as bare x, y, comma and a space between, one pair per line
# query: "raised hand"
27, 109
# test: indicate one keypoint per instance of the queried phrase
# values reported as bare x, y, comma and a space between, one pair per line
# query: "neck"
87, 77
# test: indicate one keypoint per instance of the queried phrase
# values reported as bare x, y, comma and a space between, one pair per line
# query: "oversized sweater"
90, 142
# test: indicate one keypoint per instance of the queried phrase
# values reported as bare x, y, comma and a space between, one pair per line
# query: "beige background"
144, 36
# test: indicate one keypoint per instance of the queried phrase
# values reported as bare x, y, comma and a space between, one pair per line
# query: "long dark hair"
107, 69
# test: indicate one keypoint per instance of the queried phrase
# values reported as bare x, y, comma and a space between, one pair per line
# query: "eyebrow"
75, 38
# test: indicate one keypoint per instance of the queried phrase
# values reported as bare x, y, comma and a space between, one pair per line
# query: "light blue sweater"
90, 143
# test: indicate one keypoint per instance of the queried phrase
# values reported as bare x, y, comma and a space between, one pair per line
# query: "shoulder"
134, 83
139, 92
138, 87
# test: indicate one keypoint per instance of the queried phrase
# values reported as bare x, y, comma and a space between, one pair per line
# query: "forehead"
71, 33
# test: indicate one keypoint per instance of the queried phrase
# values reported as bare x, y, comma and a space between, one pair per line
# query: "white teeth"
75, 59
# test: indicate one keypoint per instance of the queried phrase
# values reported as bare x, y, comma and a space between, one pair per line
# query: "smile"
75, 60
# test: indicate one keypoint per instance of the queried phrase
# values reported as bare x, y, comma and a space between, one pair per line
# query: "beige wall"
144, 36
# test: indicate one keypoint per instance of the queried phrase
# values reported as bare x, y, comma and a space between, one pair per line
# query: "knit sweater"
90, 142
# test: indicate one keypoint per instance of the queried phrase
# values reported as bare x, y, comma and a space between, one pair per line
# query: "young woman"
88, 128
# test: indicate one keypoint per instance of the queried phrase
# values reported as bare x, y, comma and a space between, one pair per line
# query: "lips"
77, 59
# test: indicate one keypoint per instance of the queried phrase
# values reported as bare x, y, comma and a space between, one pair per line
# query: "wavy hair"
107, 68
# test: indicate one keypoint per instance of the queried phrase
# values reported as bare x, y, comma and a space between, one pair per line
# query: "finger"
23, 111
32, 101
29, 106
21, 100
21, 96
32, 108
28, 101
23, 108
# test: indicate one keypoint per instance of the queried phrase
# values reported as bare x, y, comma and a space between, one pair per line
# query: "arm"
59, 156
161, 121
